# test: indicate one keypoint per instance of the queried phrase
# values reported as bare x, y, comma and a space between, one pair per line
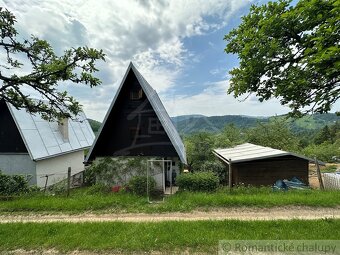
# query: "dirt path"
278, 213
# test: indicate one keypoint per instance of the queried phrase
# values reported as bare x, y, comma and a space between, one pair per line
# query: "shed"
34, 147
257, 165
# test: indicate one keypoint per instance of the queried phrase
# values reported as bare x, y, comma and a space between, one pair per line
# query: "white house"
36, 148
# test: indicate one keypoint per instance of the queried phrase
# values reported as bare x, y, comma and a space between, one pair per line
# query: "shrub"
217, 168
89, 176
113, 171
138, 185
12, 185
200, 181
97, 189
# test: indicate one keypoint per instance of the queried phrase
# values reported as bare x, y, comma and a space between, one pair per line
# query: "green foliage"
217, 167
291, 53
199, 181
325, 152
229, 136
114, 171
329, 169
90, 176
217, 124
80, 201
191, 125
199, 149
12, 185
43, 72
97, 189
275, 134
95, 125
138, 185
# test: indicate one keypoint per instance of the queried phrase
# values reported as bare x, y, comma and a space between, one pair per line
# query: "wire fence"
331, 180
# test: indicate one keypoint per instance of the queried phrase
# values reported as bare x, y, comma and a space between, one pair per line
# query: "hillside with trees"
190, 124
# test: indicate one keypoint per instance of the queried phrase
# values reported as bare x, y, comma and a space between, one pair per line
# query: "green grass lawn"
80, 201
201, 236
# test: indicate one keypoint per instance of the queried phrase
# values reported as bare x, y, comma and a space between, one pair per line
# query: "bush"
138, 184
89, 176
200, 181
12, 185
113, 171
97, 189
217, 168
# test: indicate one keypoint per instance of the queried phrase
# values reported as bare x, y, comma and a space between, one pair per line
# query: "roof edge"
60, 154
88, 156
182, 158
284, 153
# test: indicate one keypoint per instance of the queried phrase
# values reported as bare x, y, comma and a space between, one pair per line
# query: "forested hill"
190, 124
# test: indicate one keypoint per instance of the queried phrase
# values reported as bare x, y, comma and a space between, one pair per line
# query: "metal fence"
331, 180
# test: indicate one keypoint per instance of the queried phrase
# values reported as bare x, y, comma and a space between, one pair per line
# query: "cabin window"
136, 94
155, 126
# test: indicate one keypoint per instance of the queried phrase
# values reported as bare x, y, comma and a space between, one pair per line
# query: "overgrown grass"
80, 201
200, 236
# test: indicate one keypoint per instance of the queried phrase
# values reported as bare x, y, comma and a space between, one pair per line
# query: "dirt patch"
246, 213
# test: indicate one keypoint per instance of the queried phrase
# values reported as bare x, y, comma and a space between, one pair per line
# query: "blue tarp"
294, 183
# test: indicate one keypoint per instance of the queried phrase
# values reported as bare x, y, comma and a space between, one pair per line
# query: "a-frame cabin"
137, 124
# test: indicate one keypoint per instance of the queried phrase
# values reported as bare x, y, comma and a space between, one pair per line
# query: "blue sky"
177, 45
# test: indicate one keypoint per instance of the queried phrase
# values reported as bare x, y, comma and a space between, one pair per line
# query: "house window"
136, 94
155, 126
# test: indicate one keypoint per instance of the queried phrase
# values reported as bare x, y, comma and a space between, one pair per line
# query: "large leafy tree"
289, 52
32, 66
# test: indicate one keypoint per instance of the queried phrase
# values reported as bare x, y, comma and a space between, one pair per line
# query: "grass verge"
80, 201
198, 236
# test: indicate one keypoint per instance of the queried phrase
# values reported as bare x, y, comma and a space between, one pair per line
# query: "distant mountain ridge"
189, 124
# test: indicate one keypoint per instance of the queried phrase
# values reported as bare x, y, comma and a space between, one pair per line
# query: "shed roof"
159, 109
44, 140
249, 152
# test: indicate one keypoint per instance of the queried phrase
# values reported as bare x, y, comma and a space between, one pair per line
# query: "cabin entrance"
161, 171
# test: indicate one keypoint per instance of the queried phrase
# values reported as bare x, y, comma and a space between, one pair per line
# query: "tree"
199, 149
275, 134
46, 71
324, 135
229, 136
290, 53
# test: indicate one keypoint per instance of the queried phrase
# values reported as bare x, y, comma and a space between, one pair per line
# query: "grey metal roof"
158, 107
43, 138
248, 152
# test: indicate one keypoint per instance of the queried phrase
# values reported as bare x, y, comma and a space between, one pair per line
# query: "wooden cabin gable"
132, 127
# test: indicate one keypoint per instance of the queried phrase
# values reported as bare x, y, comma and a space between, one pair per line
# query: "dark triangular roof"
157, 106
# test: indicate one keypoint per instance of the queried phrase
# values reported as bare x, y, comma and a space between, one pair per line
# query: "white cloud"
214, 101
150, 33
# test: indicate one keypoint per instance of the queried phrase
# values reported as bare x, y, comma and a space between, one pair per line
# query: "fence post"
319, 174
68, 180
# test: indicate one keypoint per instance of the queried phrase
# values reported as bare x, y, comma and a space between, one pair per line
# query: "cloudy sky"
177, 45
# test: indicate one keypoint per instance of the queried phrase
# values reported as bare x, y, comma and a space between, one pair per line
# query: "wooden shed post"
319, 173
230, 176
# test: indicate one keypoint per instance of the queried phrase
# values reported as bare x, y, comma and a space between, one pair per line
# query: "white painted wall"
18, 164
58, 166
